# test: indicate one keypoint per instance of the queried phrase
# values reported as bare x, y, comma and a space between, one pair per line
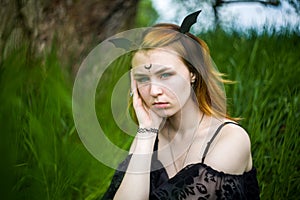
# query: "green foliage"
44, 159
146, 15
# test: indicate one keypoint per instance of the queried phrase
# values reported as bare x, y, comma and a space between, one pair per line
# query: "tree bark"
74, 26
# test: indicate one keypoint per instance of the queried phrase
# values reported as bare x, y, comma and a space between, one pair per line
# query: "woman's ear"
193, 77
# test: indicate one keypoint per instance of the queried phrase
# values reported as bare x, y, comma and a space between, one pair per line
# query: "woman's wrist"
147, 133
147, 130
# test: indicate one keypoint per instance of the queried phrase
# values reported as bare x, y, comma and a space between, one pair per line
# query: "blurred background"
43, 43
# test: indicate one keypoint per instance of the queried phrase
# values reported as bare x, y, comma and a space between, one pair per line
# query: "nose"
155, 89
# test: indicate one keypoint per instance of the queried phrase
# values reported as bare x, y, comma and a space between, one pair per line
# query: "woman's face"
163, 81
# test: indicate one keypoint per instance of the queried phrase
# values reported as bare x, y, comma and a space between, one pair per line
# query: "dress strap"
155, 148
213, 137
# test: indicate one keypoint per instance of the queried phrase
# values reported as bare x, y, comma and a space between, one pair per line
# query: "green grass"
43, 157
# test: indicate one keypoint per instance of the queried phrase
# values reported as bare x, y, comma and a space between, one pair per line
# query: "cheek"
144, 92
180, 87
181, 90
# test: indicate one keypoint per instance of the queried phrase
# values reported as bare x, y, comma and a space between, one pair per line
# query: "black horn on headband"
189, 21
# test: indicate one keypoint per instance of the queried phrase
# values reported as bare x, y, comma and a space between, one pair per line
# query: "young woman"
186, 147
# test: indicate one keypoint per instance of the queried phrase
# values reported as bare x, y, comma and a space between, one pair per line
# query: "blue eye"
165, 75
142, 79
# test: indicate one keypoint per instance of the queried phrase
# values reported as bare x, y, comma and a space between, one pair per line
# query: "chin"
165, 113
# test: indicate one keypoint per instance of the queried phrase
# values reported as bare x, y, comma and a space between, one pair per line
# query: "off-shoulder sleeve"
251, 185
199, 181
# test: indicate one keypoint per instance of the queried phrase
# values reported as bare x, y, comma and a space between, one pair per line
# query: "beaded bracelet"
145, 130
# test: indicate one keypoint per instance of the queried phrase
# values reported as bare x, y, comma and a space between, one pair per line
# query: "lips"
161, 105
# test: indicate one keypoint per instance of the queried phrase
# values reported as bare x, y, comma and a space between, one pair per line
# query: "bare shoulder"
233, 134
231, 152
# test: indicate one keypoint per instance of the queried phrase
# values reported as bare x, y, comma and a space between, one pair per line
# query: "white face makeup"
163, 81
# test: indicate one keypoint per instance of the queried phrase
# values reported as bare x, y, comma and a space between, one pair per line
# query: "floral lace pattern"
199, 181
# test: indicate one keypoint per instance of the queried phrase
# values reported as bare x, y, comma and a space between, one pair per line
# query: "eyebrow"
157, 72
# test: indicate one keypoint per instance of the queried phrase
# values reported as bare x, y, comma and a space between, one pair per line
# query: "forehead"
157, 57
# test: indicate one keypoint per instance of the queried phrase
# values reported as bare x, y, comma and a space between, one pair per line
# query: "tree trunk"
75, 26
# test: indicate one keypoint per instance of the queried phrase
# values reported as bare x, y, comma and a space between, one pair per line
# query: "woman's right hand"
147, 118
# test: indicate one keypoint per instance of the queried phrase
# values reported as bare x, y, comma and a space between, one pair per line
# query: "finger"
134, 92
132, 83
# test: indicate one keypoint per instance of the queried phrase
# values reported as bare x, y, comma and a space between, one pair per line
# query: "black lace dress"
195, 181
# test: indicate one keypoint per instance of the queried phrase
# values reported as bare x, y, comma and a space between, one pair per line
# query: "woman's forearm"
136, 181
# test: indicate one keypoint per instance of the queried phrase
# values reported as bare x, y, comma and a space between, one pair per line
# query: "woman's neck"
186, 119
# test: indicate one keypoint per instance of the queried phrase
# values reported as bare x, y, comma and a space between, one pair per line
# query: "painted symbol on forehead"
148, 67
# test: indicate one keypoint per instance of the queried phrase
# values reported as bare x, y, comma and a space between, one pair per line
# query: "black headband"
186, 24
